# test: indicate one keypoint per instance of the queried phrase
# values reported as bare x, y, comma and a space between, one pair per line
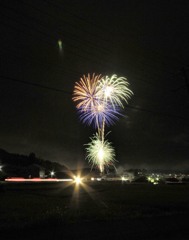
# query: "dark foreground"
101, 210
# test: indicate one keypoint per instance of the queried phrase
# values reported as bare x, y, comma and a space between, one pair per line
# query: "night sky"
145, 41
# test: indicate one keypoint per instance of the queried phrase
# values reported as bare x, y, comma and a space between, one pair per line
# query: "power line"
70, 93
35, 84
158, 113
72, 37
97, 26
68, 23
73, 53
76, 74
71, 50
76, 54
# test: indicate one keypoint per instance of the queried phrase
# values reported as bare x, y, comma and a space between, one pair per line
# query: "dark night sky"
145, 41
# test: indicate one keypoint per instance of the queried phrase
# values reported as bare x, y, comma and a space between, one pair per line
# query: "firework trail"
113, 90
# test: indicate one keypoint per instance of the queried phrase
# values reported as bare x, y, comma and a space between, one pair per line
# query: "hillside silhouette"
17, 165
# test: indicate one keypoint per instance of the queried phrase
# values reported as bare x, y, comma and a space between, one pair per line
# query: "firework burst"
86, 92
114, 89
96, 115
100, 153
99, 101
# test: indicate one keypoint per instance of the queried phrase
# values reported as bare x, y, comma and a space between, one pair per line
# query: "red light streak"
17, 179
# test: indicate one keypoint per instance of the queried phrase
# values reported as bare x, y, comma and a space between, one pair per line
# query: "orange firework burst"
86, 91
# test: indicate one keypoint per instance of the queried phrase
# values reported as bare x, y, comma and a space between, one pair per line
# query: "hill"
16, 165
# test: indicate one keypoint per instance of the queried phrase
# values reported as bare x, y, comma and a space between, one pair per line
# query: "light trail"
38, 180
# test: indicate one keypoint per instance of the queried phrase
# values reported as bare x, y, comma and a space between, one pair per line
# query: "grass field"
99, 210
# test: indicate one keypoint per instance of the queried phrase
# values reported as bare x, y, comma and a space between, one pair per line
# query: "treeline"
26, 166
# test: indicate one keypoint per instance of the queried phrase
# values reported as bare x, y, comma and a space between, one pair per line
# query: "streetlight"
52, 174
77, 180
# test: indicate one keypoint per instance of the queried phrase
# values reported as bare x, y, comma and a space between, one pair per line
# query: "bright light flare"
52, 173
124, 179
77, 180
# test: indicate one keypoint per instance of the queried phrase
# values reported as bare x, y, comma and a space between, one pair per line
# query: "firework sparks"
103, 112
86, 92
99, 101
100, 153
114, 89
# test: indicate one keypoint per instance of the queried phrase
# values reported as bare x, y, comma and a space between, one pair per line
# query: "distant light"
52, 173
92, 179
60, 45
1, 168
124, 179
78, 180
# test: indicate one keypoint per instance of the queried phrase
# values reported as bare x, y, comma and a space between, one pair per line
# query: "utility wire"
73, 52
73, 37
158, 113
71, 49
103, 28
59, 30
78, 55
70, 93
34, 84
